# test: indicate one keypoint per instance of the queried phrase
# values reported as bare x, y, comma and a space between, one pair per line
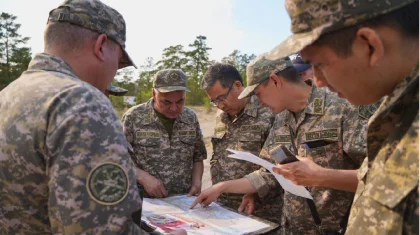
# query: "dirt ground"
207, 121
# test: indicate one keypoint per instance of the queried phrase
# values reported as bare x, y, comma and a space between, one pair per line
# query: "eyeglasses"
222, 98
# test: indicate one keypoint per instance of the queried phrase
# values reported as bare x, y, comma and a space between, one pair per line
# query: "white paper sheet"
287, 185
212, 220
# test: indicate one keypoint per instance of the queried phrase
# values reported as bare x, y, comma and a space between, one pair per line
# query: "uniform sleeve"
263, 181
92, 183
200, 152
355, 120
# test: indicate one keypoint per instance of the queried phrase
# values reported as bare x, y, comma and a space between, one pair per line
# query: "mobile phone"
282, 155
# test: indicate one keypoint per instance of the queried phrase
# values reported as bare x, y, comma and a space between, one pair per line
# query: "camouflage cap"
96, 16
311, 19
259, 70
117, 91
168, 80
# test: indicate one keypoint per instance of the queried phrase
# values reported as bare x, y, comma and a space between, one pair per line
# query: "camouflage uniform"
387, 196
64, 161
328, 118
389, 176
58, 135
247, 132
168, 159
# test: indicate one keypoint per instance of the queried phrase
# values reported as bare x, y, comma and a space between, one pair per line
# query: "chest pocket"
250, 142
324, 148
186, 140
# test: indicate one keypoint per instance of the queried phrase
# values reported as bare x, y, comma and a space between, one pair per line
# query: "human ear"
369, 38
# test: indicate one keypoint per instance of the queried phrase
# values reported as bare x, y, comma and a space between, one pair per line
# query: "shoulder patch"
366, 111
107, 184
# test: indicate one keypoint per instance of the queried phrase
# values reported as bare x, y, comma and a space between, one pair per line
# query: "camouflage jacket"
64, 163
247, 132
341, 128
169, 160
387, 196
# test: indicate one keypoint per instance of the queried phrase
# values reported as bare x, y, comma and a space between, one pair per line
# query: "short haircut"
67, 36
404, 20
290, 74
226, 74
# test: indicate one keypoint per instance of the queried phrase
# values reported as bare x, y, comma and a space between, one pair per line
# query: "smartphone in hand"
282, 155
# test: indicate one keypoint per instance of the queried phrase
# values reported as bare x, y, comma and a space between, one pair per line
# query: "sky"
246, 25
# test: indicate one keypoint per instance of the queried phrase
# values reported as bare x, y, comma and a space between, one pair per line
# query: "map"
173, 213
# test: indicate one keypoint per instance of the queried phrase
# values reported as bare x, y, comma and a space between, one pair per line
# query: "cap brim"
172, 88
301, 67
248, 91
295, 43
127, 61
113, 90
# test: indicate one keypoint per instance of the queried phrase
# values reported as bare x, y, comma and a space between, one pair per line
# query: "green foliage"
240, 61
14, 56
194, 61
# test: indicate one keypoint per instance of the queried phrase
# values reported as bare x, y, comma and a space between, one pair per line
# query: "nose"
173, 107
319, 78
220, 105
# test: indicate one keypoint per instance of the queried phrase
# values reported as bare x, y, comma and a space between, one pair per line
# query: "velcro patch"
282, 139
187, 133
251, 128
318, 106
322, 134
107, 184
148, 134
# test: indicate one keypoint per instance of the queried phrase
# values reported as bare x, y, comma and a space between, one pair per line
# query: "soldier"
365, 50
114, 90
242, 125
167, 139
305, 70
64, 163
325, 131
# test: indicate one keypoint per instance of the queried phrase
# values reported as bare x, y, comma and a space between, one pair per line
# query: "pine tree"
14, 56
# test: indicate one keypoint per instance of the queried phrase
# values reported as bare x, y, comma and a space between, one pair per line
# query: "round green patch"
107, 184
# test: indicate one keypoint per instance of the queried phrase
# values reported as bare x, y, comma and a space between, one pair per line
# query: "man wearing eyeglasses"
166, 137
240, 124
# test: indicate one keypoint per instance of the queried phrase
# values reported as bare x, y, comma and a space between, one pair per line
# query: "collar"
399, 90
316, 102
48, 62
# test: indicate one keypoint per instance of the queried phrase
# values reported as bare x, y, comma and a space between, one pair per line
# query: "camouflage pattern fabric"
311, 19
247, 132
64, 161
117, 91
338, 123
168, 159
96, 16
168, 80
259, 70
387, 196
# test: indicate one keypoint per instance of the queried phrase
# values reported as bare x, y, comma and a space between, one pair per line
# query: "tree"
14, 56
198, 62
145, 81
173, 57
239, 61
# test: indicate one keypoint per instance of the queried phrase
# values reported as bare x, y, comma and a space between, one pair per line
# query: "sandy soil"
207, 121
